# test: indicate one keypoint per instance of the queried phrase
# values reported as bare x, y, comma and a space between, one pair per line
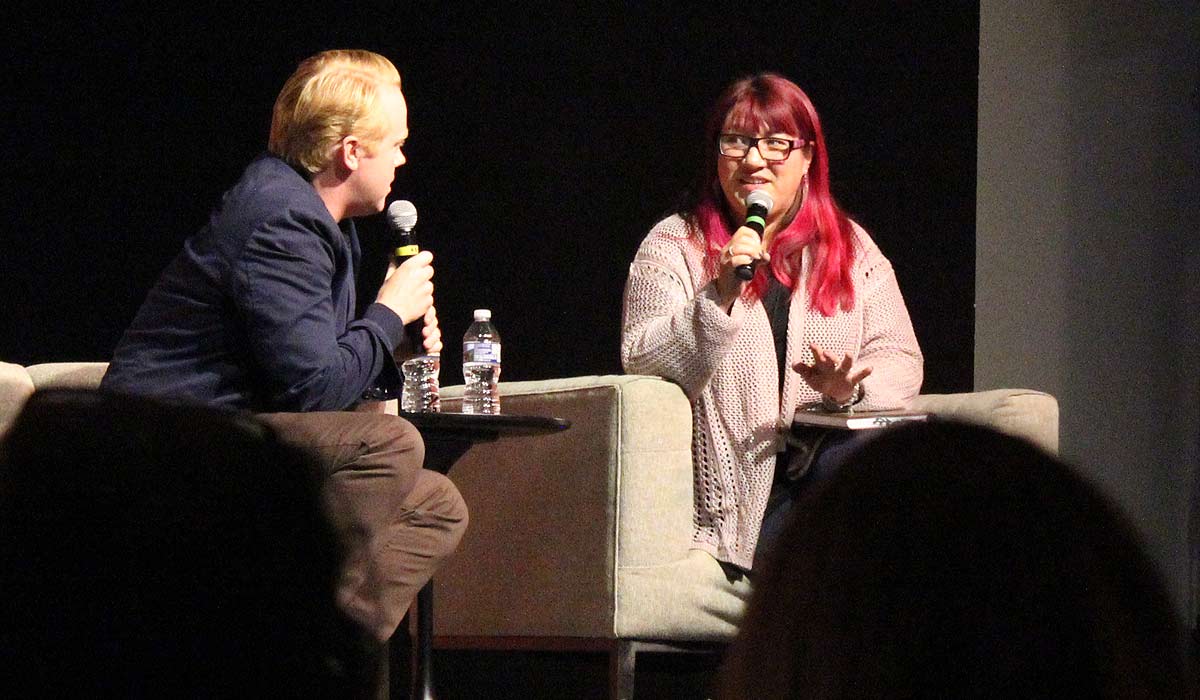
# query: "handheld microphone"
402, 219
758, 206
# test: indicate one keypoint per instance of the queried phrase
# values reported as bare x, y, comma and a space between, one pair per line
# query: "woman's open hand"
836, 379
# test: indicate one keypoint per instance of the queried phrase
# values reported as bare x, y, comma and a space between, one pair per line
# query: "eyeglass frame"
793, 144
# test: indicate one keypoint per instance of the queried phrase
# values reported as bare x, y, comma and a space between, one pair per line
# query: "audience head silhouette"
163, 551
947, 560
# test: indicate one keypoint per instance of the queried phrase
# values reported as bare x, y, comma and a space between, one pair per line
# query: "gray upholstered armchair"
579, 540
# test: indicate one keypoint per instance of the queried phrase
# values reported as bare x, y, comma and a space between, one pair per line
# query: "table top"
498, 424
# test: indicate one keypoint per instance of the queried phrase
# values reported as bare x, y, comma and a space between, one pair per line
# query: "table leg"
423, 674
442, 450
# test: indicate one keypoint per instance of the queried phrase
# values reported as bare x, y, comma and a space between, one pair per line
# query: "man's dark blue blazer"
257, 311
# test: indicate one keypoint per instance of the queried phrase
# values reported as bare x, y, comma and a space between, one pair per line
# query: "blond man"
257, 313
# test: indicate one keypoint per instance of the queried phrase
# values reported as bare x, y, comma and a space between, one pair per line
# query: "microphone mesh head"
760, 198
402, 215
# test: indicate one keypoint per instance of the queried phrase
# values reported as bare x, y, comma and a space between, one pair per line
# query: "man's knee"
444, 498
436, 498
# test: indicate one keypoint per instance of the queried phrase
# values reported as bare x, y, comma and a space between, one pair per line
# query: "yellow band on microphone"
405, 251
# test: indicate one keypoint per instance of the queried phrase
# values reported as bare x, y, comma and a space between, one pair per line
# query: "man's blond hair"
329, 96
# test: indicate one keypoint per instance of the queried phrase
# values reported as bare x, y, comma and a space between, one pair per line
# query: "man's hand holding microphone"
407, 288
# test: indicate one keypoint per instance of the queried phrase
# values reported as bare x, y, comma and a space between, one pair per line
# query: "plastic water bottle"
481, 365
420, 392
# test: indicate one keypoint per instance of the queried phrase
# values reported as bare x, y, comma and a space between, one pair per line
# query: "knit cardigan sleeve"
889, 345
669, 328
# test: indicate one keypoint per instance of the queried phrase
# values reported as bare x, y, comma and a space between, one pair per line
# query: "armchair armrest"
67, 375
17, 383
15, 387
1024, 413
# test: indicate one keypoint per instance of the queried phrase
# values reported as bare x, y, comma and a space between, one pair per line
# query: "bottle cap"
483, 315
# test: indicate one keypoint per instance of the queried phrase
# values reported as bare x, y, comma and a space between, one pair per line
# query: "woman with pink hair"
821, 320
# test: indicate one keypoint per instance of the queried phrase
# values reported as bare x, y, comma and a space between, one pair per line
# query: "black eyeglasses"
769, 147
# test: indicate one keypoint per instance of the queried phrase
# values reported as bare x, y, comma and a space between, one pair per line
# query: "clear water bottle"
420, 392
481, 365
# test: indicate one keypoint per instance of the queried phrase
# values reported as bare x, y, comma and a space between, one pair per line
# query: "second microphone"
758, 207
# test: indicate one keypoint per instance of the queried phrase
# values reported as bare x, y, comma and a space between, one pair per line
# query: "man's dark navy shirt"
257, 311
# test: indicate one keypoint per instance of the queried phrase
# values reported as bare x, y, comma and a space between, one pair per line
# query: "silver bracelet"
856, 395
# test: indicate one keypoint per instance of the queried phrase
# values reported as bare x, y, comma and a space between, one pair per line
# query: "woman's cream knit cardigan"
673, 327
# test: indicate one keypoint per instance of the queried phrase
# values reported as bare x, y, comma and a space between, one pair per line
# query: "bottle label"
481, 351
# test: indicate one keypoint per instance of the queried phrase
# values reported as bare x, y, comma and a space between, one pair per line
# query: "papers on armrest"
856, 420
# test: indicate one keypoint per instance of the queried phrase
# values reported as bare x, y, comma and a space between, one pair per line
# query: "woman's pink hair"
774, 102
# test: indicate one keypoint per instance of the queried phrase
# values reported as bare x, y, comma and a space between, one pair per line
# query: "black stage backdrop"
546, 141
